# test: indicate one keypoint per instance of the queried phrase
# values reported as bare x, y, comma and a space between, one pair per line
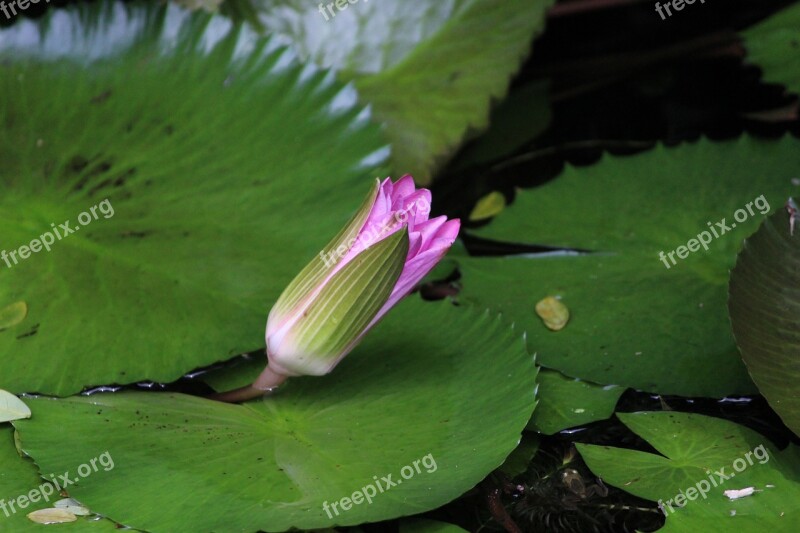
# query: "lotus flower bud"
374, 261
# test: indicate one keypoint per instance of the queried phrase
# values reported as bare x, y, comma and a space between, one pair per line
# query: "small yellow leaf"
12, 408
488, 206
52, 516
13, 314
553, 313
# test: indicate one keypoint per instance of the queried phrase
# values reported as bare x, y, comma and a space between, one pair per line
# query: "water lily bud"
374, 261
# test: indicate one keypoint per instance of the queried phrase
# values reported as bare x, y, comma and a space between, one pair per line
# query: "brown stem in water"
265, 385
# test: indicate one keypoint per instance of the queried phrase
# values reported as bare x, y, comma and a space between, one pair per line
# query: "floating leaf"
210, 185
566, 402
12, 408
417, 387
635, 322
439, 67
764, 306
698, 452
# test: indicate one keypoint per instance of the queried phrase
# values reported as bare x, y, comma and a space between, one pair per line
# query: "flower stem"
264, 385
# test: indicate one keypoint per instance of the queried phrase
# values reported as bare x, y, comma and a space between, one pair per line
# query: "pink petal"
418, 267
403, 188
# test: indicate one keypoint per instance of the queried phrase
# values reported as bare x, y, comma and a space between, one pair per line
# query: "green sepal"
314, 273
344, 308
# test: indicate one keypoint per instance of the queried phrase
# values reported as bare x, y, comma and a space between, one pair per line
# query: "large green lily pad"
430, 69
432, 380
709, 456
634, 322
224, 165
765, 313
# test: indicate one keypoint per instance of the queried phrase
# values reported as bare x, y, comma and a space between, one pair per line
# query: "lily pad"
633, 321
774, 45
224, 165
438, 68
765, 313
702, 457
566, 402
418, 389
